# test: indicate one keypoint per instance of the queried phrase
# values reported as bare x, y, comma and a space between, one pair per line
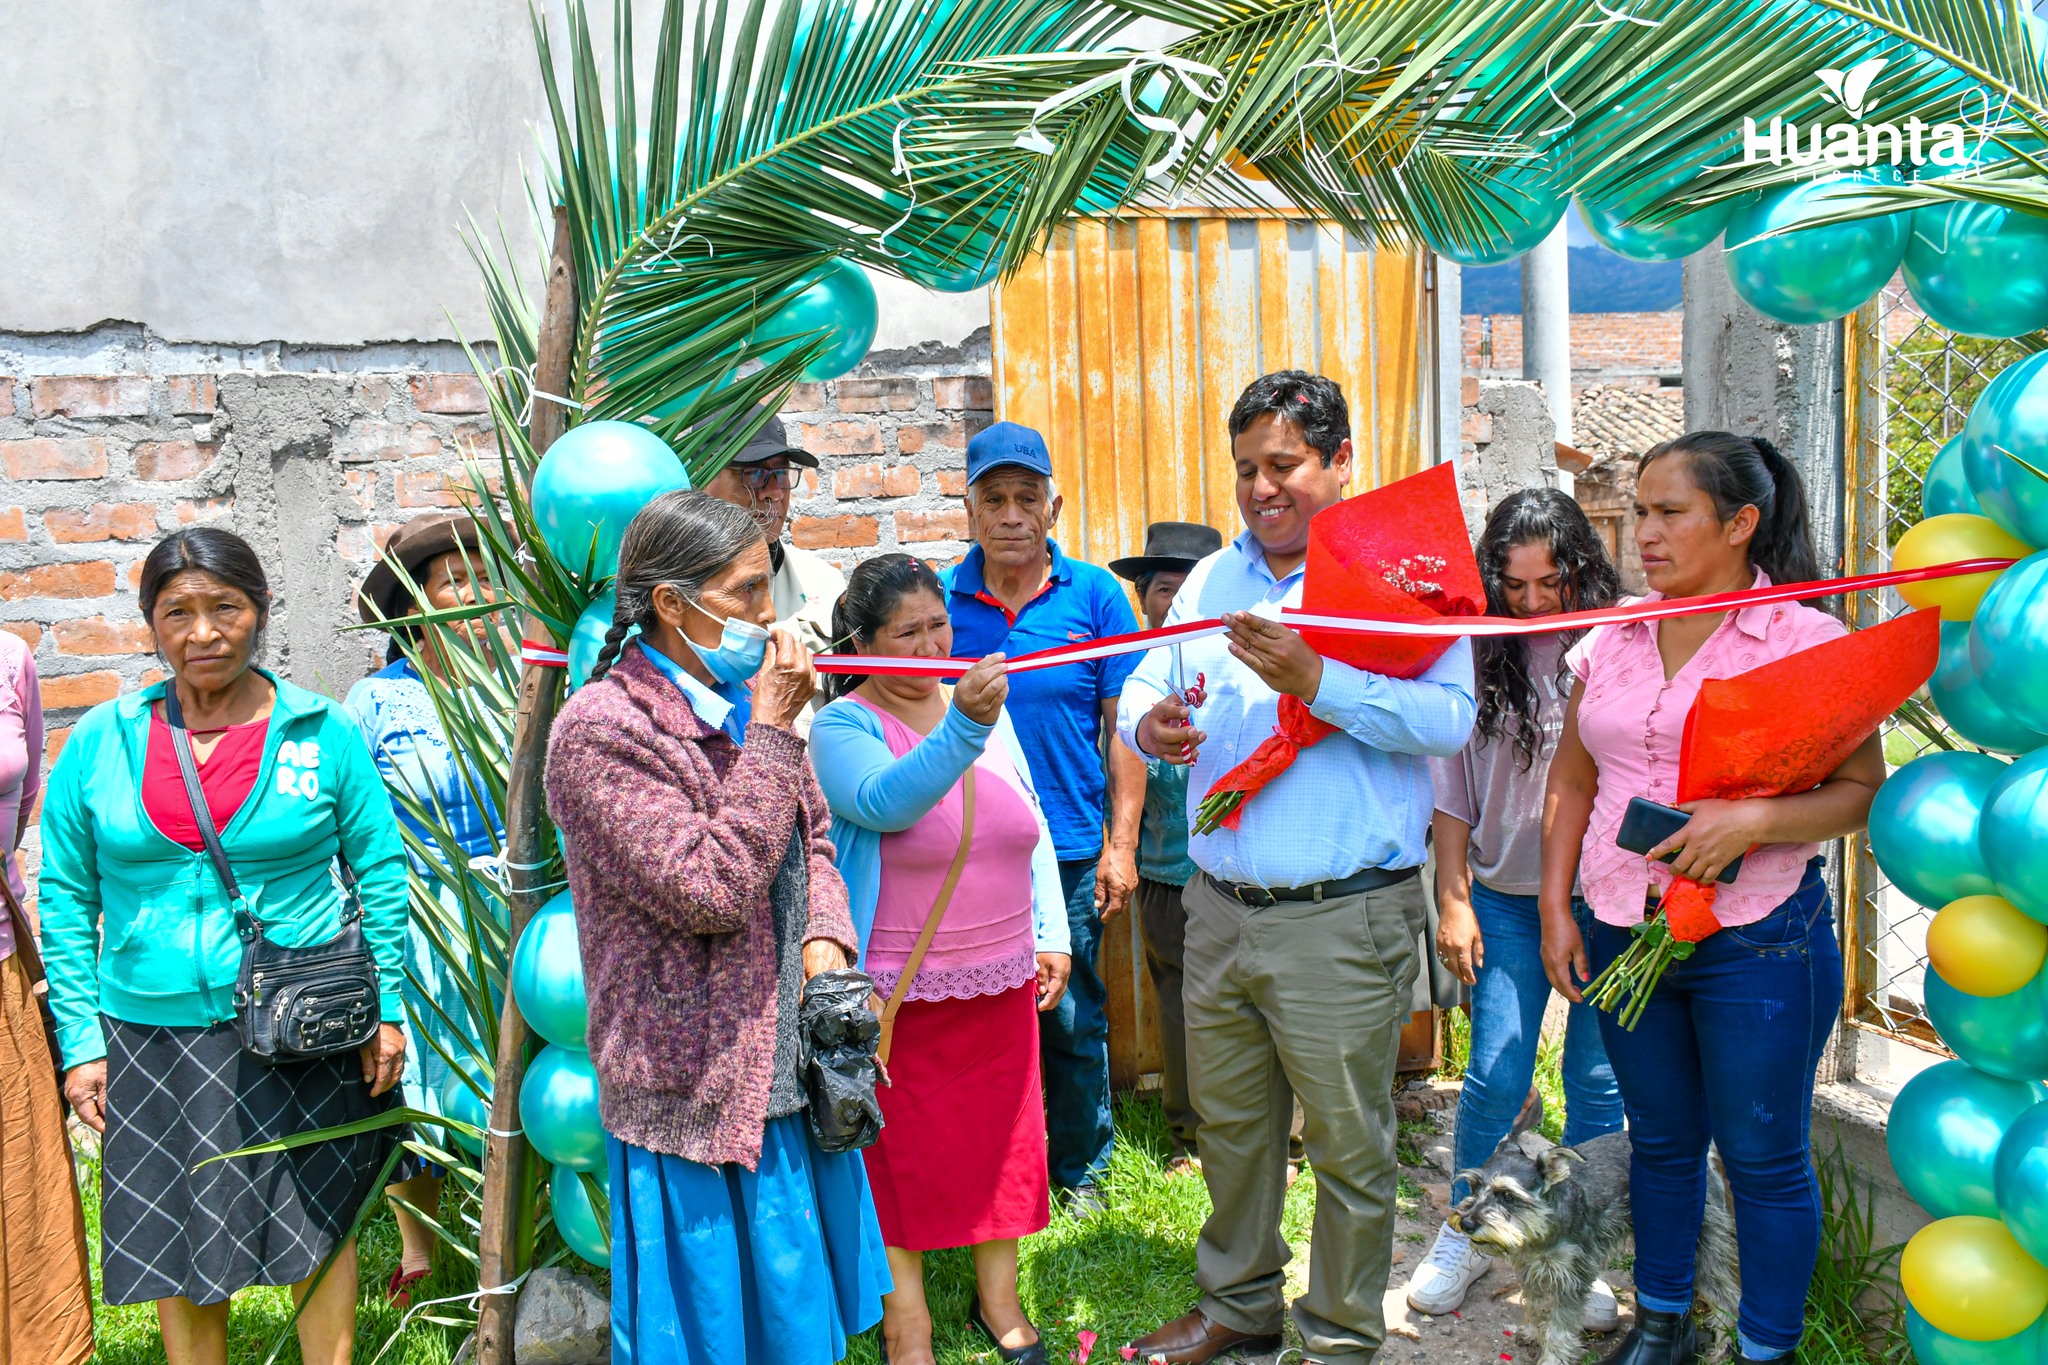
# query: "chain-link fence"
1911, 386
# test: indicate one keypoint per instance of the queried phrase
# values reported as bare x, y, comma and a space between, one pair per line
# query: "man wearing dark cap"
1172, 548
761, 479
1015, 592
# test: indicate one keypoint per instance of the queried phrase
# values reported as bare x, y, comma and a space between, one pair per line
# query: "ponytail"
1783, 544
1748, 471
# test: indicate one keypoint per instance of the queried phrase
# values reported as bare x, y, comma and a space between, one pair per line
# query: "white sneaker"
1603, 1314
1447, 1274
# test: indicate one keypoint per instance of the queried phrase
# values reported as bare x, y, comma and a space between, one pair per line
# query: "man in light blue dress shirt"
1302, 923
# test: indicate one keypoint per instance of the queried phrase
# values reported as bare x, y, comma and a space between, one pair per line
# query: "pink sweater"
673, 836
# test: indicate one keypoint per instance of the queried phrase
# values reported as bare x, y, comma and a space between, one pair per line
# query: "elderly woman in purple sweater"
701, 865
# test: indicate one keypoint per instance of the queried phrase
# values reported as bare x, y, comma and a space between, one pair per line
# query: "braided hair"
684, 539
1508, 705
873, 590
1748, 471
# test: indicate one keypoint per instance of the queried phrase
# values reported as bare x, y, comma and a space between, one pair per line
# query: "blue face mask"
742, 648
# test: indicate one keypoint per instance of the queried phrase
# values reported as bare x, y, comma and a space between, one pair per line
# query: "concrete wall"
278, 172
1604, 345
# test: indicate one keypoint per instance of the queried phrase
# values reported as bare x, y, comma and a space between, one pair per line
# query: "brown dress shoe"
1195, 1338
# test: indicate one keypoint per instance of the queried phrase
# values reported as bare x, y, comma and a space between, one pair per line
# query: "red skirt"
961, 1159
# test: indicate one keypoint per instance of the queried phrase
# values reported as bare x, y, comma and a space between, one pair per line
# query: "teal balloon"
1923, 826
840, 302
592, 482
1944, 1133
1932, 1346
2009, 641
462, 1103
2001, 1035
586, 641
952, 258
575, 1216
1979, 268
1669, 241
2010, 418
1970, 711
2020, 1180
1814, 274
558, 1108
547, 976
1945, 487
1525, 204
2013, 834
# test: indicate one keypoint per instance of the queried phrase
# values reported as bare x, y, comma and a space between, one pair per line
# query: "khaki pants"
1307, 997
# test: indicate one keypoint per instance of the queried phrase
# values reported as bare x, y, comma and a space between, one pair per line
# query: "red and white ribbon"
542, 655
1434, 627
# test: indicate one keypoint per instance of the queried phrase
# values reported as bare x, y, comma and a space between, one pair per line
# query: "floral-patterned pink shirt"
1631, 719
21, 758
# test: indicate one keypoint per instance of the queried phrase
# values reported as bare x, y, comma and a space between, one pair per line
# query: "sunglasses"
762, 479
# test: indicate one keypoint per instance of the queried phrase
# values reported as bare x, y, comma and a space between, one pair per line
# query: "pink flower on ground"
1087, 1340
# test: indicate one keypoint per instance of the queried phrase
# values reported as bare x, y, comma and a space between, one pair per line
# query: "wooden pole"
505, 1238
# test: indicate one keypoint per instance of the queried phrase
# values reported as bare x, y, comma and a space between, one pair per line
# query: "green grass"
1118, 1274
128, 1335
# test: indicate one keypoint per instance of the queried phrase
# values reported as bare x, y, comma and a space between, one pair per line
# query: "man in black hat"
1172, 548
762, 478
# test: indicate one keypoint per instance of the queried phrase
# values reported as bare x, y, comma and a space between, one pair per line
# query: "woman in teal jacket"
142, 954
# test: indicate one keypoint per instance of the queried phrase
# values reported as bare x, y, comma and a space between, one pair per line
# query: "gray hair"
684, 539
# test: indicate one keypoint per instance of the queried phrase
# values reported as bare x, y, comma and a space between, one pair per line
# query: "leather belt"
1358, 883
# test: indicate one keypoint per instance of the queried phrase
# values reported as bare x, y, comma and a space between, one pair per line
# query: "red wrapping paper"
1785, 727
1401, 551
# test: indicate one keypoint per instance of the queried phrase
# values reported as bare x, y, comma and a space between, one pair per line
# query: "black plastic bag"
840, 1033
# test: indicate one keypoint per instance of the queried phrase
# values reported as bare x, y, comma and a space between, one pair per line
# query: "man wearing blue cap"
1015, 592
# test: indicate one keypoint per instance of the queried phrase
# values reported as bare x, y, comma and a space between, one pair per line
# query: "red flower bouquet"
1776, 730
1399, 551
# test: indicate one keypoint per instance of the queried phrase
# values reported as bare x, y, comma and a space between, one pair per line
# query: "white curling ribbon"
1189, 73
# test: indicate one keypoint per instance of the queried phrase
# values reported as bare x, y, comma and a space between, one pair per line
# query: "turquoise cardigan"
139, 928
872, 793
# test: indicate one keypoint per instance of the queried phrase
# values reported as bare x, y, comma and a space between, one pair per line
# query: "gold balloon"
1243, 165
1943, 540
1983, 945
1969, 1277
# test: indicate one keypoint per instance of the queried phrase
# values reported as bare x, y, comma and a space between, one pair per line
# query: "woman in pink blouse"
1727, 1048
45, 1304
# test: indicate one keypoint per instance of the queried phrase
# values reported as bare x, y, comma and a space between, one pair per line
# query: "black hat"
1170, 547
413, 546
771, 440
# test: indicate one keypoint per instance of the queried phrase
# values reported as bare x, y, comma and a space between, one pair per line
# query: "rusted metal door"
1127, 342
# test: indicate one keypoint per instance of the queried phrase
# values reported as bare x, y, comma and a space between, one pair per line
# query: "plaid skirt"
170, 1227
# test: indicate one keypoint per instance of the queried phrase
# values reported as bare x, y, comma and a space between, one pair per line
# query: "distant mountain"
1602, 282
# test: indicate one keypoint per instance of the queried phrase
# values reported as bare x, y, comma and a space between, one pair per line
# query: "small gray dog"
1560, 1218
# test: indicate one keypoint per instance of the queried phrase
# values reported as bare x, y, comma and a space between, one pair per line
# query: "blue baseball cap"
1006, 443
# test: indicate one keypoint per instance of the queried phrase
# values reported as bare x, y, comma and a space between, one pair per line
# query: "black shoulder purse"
291, 1004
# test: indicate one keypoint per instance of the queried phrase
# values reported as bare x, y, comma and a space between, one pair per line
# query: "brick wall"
892, 473
1603, 344
318, 470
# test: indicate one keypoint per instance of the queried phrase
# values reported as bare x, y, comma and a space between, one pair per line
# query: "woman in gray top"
1538, 556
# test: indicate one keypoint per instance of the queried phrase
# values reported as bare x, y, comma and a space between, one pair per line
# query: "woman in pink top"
1727, 1049
962, 1157
45, 1302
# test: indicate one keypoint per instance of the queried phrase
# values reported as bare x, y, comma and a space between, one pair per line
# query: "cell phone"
1646, 824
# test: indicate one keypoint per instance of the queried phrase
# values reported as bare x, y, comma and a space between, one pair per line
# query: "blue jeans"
1726, 1050
1507, 1022
1073, 1047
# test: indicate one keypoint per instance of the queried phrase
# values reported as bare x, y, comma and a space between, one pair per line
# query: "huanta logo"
1830, 145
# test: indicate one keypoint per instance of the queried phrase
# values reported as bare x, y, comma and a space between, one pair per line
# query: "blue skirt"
714, 1265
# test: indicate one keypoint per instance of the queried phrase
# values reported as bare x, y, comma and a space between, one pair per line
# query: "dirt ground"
1483, 1331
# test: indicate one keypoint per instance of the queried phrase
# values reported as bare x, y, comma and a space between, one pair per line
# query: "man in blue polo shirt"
1015, 592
